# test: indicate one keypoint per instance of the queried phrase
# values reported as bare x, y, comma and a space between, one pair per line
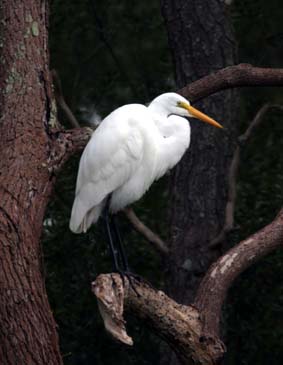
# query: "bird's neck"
159, 110
176, 139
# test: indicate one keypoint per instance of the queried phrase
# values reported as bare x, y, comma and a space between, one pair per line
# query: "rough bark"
201, 41
179, 325
27, 328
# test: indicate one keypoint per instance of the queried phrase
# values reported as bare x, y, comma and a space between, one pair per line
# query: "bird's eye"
179, 103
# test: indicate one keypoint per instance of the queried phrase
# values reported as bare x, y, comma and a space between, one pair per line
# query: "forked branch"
152, 237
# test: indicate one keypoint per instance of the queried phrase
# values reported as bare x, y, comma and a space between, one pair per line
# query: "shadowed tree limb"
152, 237
233, 173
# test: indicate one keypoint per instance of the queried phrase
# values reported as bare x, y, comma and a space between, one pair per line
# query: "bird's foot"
130, 276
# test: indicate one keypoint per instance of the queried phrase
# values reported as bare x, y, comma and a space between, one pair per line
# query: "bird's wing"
110, 158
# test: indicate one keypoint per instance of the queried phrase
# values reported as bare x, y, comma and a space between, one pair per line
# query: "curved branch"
214, 286
152, 237
231, 77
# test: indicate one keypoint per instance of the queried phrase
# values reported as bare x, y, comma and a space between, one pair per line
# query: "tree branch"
213, 288
230, 77
180, 326
192, 331
152, 237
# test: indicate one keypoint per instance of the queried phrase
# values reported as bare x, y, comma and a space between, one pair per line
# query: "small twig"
61, 100
152, 237
233, 173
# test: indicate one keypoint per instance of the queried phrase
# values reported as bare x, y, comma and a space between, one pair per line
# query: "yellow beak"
201, 116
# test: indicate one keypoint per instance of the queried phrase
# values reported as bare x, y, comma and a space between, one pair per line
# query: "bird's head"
176, 104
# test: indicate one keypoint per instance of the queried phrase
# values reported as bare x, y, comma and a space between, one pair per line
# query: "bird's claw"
129, 275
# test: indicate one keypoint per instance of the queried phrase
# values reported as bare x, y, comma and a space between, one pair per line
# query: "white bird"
132, 147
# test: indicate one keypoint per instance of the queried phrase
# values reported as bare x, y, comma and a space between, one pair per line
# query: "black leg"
119, 243
127, 272
112, 230
110, 240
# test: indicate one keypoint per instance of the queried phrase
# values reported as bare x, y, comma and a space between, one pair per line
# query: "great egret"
132, 147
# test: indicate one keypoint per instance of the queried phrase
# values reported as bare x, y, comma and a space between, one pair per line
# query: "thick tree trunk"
28, 330
201, 41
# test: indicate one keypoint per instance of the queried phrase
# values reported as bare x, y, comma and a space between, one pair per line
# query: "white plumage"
132, 147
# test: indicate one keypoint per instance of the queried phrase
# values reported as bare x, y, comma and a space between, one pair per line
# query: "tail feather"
91, 217
81, 219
